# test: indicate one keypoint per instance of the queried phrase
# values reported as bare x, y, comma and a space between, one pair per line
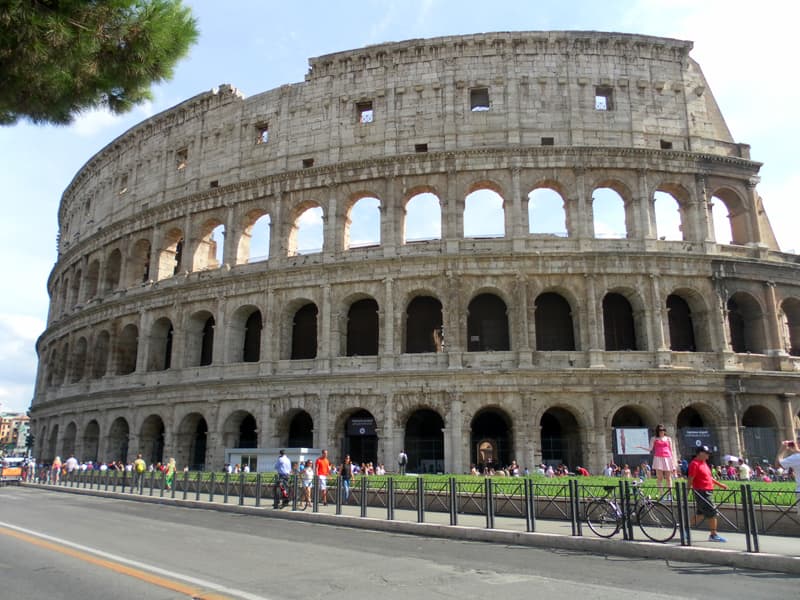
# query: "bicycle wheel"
657, 522
603, 518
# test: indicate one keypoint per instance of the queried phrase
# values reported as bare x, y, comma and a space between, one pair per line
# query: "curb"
639, 549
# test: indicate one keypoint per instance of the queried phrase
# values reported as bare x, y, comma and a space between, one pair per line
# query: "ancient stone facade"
519, 344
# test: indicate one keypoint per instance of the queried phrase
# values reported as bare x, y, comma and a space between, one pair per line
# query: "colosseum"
476, 248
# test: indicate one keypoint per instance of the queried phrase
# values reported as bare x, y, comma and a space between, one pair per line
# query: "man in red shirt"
323, 469
702, 484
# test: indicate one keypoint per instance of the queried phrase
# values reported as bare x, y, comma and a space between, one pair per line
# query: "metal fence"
520, 500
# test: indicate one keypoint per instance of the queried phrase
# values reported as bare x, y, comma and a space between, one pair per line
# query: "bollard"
197, 486
364, 494
489, 502
258, 490
390, 499
574, 507
295, 483
152, 481
185, 484
212, 484
420, 500
627, 521
241, 488
226, 488
315, 494
683, 513
339, 489
751, 531
530, 506
453, 504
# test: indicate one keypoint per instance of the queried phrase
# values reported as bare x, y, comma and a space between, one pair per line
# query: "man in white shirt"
283, 468
789, 456
744, 470
71, 463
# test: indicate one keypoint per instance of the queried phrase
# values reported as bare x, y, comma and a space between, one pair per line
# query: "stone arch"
151, 439
254, 241
126, 350
52, 444
359, 435
422, 216
547, 209
304, 332
75, 290
160, 345
113, 270
78, 368
68, 446
491, 438
423, 325
139, 263
560, 437
299, 429
736, 213
363, 328
191, 443
693, 329
209, 253
621, 329
362, 221
102, 348
200, 339
612, 210
555, 329
484, 211
240, 430
790, 322
487, 323
423, 441
92, 279
307, 231
91, 441
746, 324
118, 439
697, 424
170, 255
244, 334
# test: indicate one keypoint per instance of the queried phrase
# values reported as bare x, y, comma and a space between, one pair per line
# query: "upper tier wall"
539, 85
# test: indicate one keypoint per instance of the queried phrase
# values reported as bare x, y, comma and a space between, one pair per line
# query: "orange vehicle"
11, 470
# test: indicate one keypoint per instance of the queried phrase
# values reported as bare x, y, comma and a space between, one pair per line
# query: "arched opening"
618, 325
68, 443
307, 233
102, 346
546, 213
118, 440
170, 258
139, 263
424, 331
745, 324
424, 442
209, 253
240, 430
91, 441
790, 320
255, 240
363, 224
609, 211
487, 324
251, 348
681, 325
484, 215
554, 327
74, 295
207, 342
160, 345
760, 435
301, 431
191, 442
304, 332
92, 279
78, 361
151, 440
362, 328
361, 438
561, 439
669, 216
112, 271
52, 443
491, 439
127, 348
694, 430
423, 218
200, 339
729, 217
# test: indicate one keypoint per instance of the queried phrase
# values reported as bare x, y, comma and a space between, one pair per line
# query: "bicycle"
605, 516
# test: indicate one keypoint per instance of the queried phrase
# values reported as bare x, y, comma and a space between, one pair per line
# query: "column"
602, 454
321, 435
646, 207
333, 230
229, 256
452, 215
515, 220
774, 342
595, 349
789, 432
221, 333
324, 332
388, 322
454, 460
753, 224
143, 345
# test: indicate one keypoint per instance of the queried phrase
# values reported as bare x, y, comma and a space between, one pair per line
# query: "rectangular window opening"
308, 163
123, 185
420, 148
365, 112
665, 145
603, 98
181, 158
548, 141
214, 183
262, 133
479, 99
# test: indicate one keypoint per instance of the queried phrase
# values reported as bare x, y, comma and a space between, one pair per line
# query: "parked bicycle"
605, 516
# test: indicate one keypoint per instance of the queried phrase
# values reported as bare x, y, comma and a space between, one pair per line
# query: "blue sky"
746, 51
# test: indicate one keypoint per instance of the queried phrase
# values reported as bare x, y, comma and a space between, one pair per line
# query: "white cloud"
18, 360
90, 123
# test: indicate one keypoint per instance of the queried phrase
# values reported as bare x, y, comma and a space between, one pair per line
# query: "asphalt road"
55, 545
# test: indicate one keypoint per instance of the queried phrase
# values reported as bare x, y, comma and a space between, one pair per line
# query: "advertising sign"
632, 440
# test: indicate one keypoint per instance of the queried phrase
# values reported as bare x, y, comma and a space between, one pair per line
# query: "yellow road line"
175, 586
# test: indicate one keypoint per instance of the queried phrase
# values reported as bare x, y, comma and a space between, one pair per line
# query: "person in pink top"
665, 459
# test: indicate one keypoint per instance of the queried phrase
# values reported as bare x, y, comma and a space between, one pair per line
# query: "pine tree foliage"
61, 57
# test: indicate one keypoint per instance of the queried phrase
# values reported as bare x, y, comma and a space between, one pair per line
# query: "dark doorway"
681, 327
197, 450
487, 324
554, 329
760, 435
251, 352
490, 440
248, 432
362, 328
561, 442
304, 333
361, 438
618, 325
207, 343
424, 442
151, 442
301, 431
424, 325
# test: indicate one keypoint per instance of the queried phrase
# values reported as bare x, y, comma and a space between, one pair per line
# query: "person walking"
139, 469
665, 458
702, 484
55, 470
283, 468
323, 468
402, 461
346, 476
169, 473
789, 458
307, 475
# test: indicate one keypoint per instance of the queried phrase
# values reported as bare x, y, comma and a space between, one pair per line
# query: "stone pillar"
324, 331
789, 432
754, 228
774, 343
390, 208
155, 254
143, 343
581, 223
736, 445
333, 230
660, 314
271, 334
645, 204
221, 333
392, 438
515, 219
231, 239
454, 461
452, 214
592, 324
278, 230
387, 320
602, 453
266, 427
322, 437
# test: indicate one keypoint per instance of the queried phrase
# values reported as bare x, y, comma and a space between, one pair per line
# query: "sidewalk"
777, 553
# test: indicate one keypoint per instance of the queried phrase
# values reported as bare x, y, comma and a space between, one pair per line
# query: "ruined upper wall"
541, 88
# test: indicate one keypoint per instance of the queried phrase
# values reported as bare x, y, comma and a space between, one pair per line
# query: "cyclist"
702, 484
283, 468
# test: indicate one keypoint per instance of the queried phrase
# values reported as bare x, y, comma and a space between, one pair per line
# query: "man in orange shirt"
323, 469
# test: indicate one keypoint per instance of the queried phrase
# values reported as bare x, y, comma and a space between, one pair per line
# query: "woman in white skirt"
665, 458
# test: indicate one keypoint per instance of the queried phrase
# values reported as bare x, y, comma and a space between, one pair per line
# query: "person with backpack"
139, 469
402, 461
